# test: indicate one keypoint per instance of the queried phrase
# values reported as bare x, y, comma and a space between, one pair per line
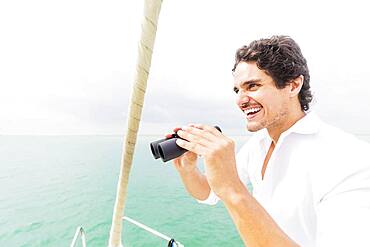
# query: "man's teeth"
252, 110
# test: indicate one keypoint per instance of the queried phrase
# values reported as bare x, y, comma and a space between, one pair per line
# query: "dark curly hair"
281, 58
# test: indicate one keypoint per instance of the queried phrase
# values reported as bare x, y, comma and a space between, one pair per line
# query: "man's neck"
290, 120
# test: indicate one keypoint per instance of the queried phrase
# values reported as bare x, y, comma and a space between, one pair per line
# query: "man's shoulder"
337, 161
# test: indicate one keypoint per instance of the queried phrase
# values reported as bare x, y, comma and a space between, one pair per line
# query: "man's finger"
191, 146
200, 133
195, 138
167, 136
209, 129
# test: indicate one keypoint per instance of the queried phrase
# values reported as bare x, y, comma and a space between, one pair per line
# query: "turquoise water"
50, 185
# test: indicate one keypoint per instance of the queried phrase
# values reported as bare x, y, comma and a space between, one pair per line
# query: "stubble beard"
256, 126
274, 122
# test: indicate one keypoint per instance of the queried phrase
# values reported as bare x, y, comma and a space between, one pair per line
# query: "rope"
146, 44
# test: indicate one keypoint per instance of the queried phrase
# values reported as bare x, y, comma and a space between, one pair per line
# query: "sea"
51, 185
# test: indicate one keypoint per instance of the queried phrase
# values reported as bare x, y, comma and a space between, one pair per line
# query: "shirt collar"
309, 124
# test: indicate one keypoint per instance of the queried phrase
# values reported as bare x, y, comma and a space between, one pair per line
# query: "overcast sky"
66, 67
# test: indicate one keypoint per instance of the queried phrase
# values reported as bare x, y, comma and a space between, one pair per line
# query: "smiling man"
311, 181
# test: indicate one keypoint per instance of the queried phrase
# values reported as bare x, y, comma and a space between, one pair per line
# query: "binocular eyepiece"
167, 149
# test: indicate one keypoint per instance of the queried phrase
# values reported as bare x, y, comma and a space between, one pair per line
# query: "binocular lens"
154, 148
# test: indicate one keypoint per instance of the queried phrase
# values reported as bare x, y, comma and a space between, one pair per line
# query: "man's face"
264, 105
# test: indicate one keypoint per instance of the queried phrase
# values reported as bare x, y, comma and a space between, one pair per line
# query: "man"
311, 181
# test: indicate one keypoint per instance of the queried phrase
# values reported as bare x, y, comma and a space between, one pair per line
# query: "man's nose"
242, 98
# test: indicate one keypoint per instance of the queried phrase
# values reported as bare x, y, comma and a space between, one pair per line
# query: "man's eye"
252, 86
236, 90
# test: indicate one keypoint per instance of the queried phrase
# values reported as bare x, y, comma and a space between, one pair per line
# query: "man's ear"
296, 85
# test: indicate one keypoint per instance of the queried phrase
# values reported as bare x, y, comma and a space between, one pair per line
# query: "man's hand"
186, 162
194, 181
219, 156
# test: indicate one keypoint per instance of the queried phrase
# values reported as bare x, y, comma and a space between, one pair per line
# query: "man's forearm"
195, 183
255, 225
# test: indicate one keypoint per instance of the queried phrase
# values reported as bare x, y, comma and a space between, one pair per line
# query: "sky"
67, 67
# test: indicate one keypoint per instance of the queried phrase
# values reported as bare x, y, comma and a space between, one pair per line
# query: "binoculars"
167, 149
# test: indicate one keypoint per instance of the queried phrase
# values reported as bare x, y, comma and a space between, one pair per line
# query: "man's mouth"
251, 112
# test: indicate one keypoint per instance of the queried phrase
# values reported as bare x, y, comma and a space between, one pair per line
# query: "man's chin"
253, 127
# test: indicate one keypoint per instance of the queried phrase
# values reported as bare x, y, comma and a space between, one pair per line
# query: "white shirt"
316, 185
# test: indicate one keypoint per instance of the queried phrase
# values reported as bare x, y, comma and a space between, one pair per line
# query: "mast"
146, 44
